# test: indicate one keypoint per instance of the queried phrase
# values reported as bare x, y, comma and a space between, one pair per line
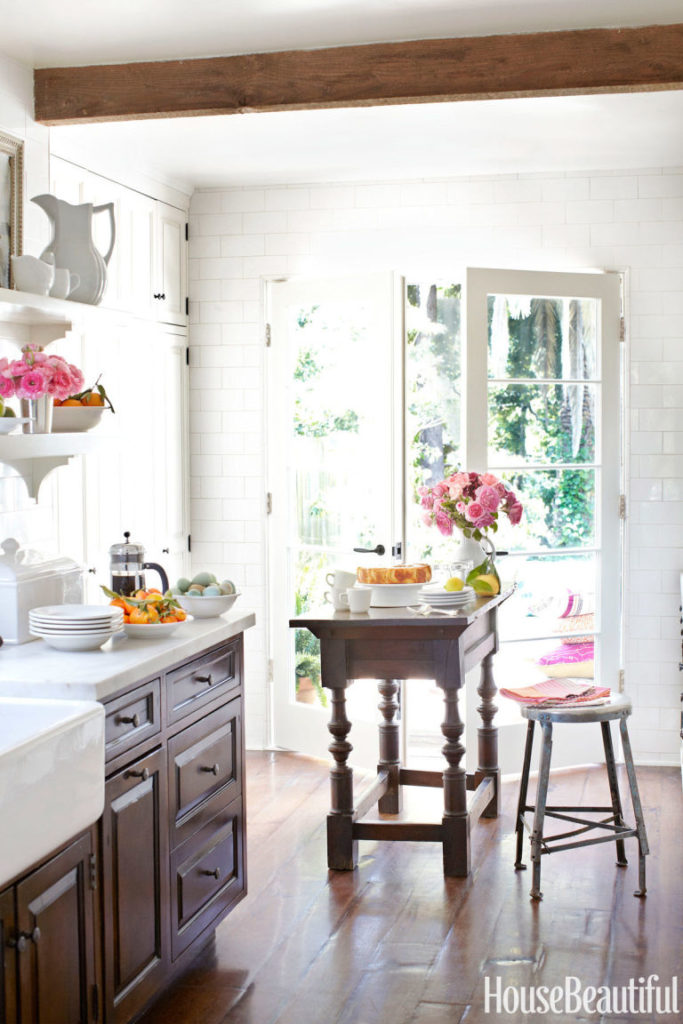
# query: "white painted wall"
612, 221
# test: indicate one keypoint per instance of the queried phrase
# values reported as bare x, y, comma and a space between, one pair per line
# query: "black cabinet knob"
216, 873
204, 679
133, 720
142, 773
213, 769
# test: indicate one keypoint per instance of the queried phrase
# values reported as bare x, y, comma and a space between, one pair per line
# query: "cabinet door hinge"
189, 542
93, 872
622, 329
268, 335
269, 504
187, 356
271, 670
187, 231
622, 680
95, 1002
622, 506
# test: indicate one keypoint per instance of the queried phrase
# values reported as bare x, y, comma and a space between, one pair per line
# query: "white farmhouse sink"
51, 776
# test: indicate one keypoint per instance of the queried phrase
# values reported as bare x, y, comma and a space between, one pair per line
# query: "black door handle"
379, 550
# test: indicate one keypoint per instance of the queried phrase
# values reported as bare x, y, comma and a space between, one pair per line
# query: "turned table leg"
487, 736
390, 746
342, 849
456, 822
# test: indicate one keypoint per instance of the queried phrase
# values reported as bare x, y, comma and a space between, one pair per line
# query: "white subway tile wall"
620, 221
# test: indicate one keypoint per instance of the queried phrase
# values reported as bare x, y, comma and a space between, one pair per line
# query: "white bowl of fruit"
204, 597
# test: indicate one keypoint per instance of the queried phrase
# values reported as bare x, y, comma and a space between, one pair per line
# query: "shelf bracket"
35, 470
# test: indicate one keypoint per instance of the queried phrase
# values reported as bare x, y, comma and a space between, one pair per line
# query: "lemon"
454, 583
486, 585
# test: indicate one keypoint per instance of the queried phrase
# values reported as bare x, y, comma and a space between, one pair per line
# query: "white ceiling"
431, 140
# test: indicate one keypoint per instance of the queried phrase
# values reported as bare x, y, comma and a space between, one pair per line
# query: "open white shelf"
33, 456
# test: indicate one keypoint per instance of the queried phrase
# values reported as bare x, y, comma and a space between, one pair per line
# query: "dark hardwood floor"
395, 943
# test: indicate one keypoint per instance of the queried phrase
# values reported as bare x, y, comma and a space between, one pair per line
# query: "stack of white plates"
75, 627
435, 595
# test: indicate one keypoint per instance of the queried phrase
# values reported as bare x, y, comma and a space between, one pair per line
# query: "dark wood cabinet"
8, 975
135, 870
172, 832
49, 941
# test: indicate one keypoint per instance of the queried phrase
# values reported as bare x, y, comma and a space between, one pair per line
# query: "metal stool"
619, 707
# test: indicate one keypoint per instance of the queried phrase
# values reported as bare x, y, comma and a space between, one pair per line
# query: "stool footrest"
588, 842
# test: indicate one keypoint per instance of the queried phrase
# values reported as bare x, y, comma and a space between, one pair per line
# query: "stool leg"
523, 788
643, 848
541, 798
614, 789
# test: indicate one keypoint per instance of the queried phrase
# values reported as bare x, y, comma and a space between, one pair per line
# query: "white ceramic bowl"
74, 419
392, 595
150, 630
206, 607
10, 423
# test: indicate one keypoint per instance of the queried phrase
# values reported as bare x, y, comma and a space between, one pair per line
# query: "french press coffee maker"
126, 562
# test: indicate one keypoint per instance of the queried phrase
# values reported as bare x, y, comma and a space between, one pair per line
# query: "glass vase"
39, 411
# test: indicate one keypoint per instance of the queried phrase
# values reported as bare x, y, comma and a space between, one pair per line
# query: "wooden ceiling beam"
421, 71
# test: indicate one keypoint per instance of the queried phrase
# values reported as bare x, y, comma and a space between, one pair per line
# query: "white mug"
359, 599
340, 579
338, 599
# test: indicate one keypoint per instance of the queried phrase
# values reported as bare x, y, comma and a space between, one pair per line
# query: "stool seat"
618, 706
611, 828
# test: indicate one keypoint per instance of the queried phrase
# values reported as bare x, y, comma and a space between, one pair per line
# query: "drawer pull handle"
142, 773
204, 679
133, 720
216, 873
213, 769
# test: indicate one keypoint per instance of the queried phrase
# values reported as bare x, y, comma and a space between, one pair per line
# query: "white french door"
542, 410
514, 372
335, 476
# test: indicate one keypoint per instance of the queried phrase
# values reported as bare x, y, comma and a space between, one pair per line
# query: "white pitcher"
72, 244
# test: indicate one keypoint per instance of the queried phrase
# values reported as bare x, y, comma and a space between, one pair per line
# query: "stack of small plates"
435, 595
75, 627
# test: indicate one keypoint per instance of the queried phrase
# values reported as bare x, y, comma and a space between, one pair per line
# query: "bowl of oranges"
148, 613
81, 412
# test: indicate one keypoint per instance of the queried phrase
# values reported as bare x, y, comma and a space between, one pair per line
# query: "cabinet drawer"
132, 718
207, 876
205, 770
198, 681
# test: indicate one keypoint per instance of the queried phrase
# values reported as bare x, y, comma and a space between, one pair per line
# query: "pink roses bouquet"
37, 373
470, 501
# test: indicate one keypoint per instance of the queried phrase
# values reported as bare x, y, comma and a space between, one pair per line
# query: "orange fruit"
56, 401
71, 401
92, 398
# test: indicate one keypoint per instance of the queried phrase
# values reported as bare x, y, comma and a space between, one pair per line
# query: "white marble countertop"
36, 670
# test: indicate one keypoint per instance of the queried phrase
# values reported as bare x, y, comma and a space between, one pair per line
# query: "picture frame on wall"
11, 204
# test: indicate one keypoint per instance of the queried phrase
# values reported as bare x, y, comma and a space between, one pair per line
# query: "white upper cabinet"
147, 272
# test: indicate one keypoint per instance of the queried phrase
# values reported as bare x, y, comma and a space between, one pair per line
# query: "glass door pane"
332, 467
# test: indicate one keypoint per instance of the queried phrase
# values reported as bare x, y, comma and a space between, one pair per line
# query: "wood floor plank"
395, 943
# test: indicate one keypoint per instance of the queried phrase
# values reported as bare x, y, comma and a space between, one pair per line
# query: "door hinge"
269, 503
268, 333
93, 871
187, 356
95, 1002
622, 680
187, 306
622, 329
187, 231
271, 670
189, 542
622, 506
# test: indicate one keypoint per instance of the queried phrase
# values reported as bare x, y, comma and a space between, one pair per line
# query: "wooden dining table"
390, 645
